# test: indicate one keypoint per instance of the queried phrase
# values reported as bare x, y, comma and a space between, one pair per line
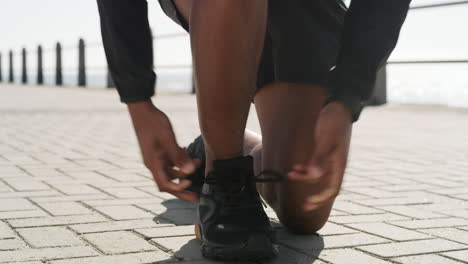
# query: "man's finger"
176, 173
163, 180
309, 174
318, 200
179, 156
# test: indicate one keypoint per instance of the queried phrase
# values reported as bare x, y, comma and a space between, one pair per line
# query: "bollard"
379, 96
81, 63
1, 72
11, 77
40, 70
58, 65
193, 81
24, 70
110, 81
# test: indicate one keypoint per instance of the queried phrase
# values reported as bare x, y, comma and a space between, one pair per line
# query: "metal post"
81, 64
193, 81
110, 81
40, 70
11, 77
58, 65
379, 97
24, 70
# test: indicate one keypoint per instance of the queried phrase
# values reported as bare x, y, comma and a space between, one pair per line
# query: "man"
305, 111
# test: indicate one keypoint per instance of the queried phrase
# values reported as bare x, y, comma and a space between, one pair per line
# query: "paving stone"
11, 244
16, 204
140, 202
49, 237
349, 197
125, 185
334, 229
395, 201
167, 231
184, 247
287, 255
22, 214
76, 189
311, 243
448, 191
28, 262
135, 258
27, 185
126, 193
408, 187
349, 256
29, 194
412, 247
335, 212
123, 212
47, 253
117, 226
453, 234
351, 219
389, 231
354, 209
118, 242
410, 211
65, 208
71, 198
58, 220
461, 213
458, 255
431, 223
6, 231
431, 258
435, 207
126, 177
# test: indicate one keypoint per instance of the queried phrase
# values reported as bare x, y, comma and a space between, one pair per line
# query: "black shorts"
302, 41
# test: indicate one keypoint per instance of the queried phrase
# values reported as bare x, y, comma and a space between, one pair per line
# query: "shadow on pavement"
293, 248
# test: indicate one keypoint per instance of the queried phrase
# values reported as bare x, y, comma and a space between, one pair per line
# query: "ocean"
440, 84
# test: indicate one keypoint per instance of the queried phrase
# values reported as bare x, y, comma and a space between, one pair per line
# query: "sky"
438, 33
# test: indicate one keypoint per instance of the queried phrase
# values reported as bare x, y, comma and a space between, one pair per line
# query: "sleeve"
128, 46
370, 34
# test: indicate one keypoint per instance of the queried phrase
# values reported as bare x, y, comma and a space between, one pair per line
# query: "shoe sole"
259, 247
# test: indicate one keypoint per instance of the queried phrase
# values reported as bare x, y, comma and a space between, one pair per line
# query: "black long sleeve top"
370, 34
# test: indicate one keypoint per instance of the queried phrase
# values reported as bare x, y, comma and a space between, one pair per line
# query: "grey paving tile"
49, 237
412, 247
119, 242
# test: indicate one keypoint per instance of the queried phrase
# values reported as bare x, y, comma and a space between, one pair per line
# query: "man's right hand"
161, 154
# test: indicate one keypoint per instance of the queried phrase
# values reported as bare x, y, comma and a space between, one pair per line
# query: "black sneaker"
232, 223
196, 150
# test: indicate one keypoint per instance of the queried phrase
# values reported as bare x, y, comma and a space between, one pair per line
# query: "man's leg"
288, 139
227, 40
252, 141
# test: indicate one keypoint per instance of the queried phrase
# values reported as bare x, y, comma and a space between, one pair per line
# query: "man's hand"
161, 153
328, 163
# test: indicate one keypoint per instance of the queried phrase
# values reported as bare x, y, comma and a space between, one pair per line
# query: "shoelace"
246, 197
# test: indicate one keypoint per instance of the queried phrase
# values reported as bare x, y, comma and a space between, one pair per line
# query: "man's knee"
302, 224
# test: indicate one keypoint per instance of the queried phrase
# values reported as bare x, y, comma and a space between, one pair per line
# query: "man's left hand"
327, 165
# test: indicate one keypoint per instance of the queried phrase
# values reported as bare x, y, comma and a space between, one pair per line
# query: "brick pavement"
73, 190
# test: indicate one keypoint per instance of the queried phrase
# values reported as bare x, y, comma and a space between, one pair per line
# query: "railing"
379, 96
82, 67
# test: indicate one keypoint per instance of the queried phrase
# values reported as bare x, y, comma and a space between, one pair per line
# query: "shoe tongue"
233, 173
